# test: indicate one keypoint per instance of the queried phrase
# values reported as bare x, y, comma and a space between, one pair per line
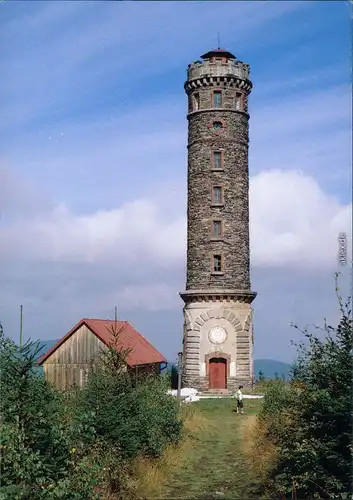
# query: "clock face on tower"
217, 335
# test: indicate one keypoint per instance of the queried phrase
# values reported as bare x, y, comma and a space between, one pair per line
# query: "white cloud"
151, 297
133, 233
293, 223
19, 195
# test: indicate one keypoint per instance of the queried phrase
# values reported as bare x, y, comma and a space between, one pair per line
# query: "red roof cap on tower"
218, 53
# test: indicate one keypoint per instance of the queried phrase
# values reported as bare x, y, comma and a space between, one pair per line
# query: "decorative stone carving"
217, 335
247, 321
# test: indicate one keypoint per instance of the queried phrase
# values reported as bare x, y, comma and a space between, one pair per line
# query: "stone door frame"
217, 354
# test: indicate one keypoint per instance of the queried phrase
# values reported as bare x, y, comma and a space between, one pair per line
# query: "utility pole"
21, 326
180, 367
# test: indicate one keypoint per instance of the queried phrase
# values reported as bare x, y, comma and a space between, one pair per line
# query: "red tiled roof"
142, 352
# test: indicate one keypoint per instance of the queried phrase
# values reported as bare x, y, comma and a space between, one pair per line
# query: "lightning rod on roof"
219, 40
116, 313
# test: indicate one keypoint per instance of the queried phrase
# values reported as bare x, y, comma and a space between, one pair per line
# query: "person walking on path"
239, 397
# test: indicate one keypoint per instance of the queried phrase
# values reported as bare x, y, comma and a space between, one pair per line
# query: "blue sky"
93, 160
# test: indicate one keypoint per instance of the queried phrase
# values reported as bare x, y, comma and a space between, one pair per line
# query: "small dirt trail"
214, 466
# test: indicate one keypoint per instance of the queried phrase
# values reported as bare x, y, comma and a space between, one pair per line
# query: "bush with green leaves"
276, 410
79, 445
132, 412
35, 443
310, 419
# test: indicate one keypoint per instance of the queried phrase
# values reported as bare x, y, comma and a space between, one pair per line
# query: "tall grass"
151, 477
260, 452
299, 446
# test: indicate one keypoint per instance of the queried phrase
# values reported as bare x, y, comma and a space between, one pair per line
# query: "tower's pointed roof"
218, 53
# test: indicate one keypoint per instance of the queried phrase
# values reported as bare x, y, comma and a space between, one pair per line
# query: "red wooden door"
218, 373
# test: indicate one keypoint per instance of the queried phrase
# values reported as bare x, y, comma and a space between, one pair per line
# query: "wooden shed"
68, 361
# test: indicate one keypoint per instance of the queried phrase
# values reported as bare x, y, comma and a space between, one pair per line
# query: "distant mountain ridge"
269, 367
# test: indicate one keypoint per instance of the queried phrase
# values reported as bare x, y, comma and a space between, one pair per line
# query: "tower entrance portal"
217, 370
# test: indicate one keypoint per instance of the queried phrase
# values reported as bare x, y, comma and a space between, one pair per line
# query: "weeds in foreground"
81, 445
302, 437
152, 477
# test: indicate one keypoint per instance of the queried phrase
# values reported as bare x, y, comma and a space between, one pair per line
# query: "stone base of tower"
218, 339
202, 384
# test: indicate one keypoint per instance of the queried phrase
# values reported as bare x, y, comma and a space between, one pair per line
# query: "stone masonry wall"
234, 178
233, 140
236, 318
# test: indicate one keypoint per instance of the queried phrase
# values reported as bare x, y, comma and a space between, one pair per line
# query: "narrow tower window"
217, 263
217, 160
238, 101
196, 102
217, 195
217, 98
216, 228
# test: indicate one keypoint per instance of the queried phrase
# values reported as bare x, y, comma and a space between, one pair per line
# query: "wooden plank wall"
69, 364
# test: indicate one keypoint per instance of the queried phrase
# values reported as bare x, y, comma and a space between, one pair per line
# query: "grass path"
214, 466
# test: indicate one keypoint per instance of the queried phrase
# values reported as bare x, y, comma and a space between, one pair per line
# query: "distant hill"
269, 367
45, 345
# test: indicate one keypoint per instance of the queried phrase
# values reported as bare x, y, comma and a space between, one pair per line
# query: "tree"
134, 413
81, 444
174, 377
314, 438
36, 458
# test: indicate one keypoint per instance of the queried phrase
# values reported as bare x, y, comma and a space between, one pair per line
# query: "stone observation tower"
218, 338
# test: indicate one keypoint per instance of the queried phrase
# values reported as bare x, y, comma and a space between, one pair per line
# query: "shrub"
36, 458
79, 445
133, 413
276, 410
309, 420
131, 416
